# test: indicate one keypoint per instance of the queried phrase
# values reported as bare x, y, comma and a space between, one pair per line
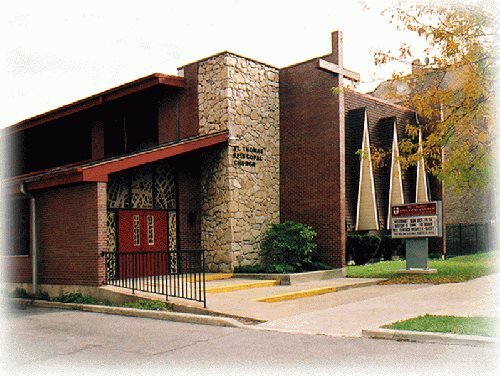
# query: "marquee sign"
417, 220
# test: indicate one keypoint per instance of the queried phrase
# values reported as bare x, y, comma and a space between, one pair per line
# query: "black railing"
466, 239
179, 274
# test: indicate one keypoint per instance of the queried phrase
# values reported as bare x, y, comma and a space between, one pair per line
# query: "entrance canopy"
98, 171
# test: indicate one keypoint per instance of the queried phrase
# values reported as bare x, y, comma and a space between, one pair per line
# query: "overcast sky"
56, 52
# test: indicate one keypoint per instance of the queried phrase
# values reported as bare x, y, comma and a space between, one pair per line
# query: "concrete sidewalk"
348, 312
471, 298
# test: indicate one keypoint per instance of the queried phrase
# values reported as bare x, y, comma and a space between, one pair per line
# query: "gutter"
33, 239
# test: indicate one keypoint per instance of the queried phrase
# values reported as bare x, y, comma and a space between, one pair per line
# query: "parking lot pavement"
41, 341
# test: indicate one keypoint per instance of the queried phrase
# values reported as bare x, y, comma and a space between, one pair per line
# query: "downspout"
33, 240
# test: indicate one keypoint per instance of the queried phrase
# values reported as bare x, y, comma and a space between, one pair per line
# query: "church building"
205, 159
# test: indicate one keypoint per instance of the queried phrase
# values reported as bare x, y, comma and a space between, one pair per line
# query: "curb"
133, 312
430, 337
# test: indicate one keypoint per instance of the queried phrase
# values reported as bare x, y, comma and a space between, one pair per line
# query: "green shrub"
361, 248
282, 268
18, 293
153, 305
316, 265
261, 268
390, 247
76, 297
288, 243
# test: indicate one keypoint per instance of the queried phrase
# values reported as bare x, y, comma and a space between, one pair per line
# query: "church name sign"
246, 155
416, 220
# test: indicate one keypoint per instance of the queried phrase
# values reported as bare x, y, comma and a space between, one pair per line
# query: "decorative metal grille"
145, 187
151, 230
165, 186
137, 231
111, 235
118, 192
142, 188
172, 239
172, 231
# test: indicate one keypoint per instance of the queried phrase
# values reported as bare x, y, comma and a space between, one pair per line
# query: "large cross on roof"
338, 65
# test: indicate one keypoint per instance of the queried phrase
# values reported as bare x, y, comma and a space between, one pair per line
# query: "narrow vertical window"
151, 230
137, 232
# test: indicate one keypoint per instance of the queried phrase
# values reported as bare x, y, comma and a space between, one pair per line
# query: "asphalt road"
39, 341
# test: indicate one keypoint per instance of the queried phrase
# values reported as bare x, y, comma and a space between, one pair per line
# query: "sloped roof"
100, 169
129, 88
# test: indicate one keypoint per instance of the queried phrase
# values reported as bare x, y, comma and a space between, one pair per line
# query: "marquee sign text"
416, 220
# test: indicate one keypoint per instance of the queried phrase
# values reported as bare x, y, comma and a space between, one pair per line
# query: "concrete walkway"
348, 312
471, 298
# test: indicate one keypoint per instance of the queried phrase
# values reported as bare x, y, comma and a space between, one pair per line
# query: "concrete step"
215, 277
313, 292
240, 286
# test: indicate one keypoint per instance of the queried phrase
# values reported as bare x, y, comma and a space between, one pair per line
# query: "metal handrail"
179, 273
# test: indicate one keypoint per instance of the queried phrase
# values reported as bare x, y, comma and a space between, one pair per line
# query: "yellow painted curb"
214, 277
242, 286
297, 294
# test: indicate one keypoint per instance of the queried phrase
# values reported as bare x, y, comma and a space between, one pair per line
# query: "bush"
76, 297
390, 247
271, 269
288, 243
282, 268
153, 305
362, 248
19, 293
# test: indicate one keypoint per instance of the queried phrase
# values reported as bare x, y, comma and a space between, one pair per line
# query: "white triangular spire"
421, 189
396, 195
366, 218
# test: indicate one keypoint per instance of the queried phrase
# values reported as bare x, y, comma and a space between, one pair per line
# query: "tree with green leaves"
452, 91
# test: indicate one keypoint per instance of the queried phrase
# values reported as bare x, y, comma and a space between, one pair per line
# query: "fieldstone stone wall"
240, 181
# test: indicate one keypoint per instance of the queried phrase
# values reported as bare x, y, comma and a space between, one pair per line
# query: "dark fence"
178, 274
466, 239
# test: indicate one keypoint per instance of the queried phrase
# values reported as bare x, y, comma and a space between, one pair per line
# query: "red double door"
140, 231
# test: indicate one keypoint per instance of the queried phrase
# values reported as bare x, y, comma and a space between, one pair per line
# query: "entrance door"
140, 231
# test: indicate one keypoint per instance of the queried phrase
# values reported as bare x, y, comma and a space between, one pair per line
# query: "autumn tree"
450, 88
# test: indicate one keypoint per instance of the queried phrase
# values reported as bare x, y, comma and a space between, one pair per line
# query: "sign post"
417, 223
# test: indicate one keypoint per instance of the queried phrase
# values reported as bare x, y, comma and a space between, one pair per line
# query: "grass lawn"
456, 269
479, 326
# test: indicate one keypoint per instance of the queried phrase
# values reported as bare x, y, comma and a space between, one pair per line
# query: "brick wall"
179, 108
18, 269
312, 156
188, 103
72, 234
189, 221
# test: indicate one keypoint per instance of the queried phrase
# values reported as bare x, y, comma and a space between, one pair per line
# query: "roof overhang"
98, 171
144, 83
